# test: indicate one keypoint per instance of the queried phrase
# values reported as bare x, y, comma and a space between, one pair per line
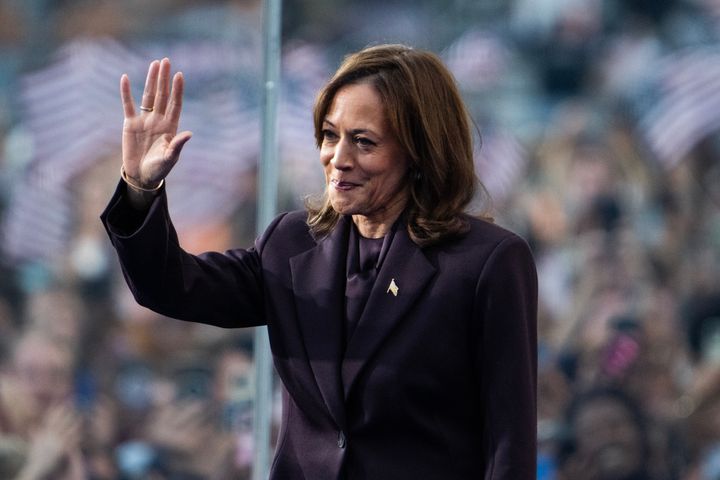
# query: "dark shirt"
364, 259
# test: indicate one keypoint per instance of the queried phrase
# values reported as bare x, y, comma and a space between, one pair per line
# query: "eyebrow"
354, 131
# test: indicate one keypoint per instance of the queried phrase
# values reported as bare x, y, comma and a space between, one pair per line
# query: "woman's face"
608, 438
365, 166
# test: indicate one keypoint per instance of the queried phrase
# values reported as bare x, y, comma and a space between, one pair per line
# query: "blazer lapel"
318, 279
401, 280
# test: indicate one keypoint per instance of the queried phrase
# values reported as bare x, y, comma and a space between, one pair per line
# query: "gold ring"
146, 109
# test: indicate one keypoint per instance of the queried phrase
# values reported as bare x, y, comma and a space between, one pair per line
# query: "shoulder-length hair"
429, 118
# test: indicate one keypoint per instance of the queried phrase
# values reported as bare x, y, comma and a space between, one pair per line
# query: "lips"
343, 184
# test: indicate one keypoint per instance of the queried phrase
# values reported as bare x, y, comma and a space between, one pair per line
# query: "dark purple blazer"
437, 382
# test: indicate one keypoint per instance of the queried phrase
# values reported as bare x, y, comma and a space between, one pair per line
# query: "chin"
343, 211
343, 208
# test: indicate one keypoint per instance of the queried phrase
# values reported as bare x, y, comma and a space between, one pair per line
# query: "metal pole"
267, 209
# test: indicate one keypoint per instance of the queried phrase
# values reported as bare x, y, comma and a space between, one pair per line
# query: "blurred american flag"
683, 103
479, 61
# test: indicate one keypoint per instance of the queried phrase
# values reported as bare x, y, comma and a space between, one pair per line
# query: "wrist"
136, 184
140, 198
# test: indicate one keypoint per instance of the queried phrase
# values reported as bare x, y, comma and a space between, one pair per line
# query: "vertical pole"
267, 209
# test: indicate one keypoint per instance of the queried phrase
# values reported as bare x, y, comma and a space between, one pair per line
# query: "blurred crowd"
598, 147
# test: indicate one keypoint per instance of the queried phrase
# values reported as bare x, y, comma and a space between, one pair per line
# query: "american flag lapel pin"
393, 288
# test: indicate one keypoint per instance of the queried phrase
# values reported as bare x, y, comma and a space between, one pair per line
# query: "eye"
328, 135
364, 141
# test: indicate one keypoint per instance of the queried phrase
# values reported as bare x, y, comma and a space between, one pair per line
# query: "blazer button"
341, 440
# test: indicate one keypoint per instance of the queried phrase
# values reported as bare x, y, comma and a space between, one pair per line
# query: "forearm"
219, 289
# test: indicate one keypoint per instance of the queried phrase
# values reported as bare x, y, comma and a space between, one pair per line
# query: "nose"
342, 156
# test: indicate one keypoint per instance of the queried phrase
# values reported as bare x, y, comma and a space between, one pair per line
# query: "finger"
148, 100
126, 97
163, 87
178, 87
176, 144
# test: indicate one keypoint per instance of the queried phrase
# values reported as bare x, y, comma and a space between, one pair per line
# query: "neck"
370, 229
377, 226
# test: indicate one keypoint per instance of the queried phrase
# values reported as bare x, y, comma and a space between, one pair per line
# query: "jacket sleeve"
223, 289
506, 301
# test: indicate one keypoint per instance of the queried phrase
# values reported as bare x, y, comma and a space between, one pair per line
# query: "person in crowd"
606, 438
38, 417
39, 378
201, 430
402, 327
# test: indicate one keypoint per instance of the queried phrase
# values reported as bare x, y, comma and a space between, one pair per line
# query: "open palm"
150, 142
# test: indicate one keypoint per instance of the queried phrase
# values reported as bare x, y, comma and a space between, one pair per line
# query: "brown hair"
430, 120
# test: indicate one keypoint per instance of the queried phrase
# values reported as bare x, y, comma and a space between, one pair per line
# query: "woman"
607, 437
403, 329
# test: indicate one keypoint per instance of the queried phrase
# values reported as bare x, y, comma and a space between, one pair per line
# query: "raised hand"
55, 447
150, 142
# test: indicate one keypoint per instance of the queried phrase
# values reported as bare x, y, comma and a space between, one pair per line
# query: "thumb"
177, 143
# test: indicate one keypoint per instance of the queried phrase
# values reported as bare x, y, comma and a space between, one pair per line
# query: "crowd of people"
626, 238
